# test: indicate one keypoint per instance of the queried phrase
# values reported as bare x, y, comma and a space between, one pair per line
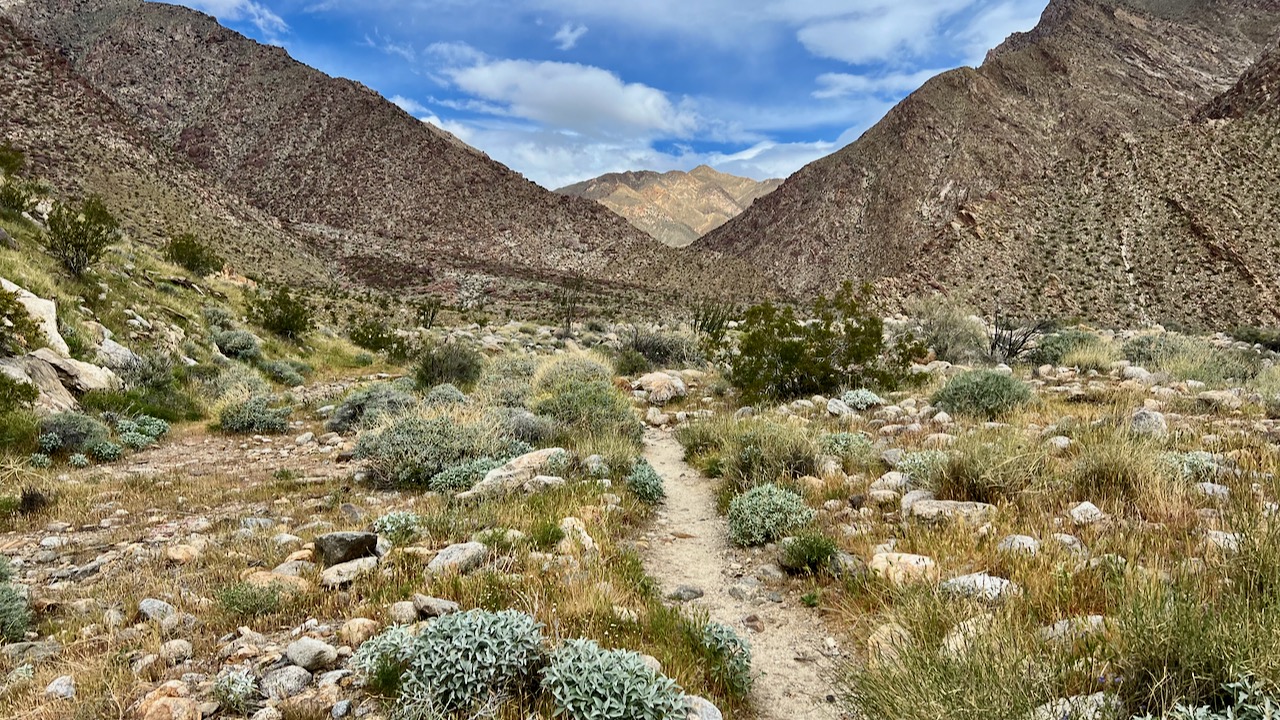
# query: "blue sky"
564, 90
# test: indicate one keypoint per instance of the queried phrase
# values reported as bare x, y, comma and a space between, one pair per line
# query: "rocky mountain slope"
674, 207
396, 202
1092, 72
80, 141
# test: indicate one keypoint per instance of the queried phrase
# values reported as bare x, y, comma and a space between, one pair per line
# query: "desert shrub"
589, 407
12, 160
136, 440
464, 475
19, 432
152, 370
664, 349
282, 312
384, 659
629, 361
444, 394
1247, 698
18, 332
172, 404
730, 656
523, 426
808, 552
766, 452
40, 461
451, 363
1053, 348
986, 469
458, 661
861, 399
401, 527
1194, 466
982, 393
79, 236
285, 372
849, 447
373, 333
1120, 469
570, 370
924, 467
190, 252
238, 344
255, 415
585, 681
413, 449
245, 600
646, 483
1268, 338
236, 689
15, 394
780, 357
79, 461
15, 614
15, 197
766, 513
952, 331
218, 318
71, 432
365, 406
105, 451
1187, 358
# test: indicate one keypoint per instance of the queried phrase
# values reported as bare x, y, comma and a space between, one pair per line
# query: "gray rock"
1213, 491
685, 593
848, 567
910, 499
21, 653
310, 653
935, 511
176, 651
981, 586
344, 573
403, 613
1086, 513
340, 547
429, 607
838, 407
294, 568
79, 376
257, 523
155, 610
1079, 707
1019, 545
701, 708
43, 312
268, 713
459, 558
285, 682
62, 688
1148, 423
511, 476
340, 709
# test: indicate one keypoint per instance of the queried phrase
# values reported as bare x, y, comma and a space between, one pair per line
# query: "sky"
566, 90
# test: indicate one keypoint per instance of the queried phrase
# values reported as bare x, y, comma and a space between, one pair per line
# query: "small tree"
282, 312
427, 310
568, 300
1011, 338
79, 236
187, 251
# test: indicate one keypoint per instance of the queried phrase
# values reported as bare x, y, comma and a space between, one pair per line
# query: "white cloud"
841, 85
237, 10
568, 35
409, 105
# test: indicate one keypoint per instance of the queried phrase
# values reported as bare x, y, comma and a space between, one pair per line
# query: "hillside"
394, 201
1091, 71
674, 207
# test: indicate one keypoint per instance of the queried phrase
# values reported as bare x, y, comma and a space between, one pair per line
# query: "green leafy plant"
589, 407
767, 452
808, 552
664, 349
254, 414
105, 451
71, 432
452, 363
646, 483
246, 600
413, 450
849, 447
238, 344
285, 372
949, 329
861, 399
982, 393
923, 467
282, 312
383, 660
400, 527
766, 513
585, 681
463, 476
236, 689
189, 252
79, 236
730, 656
40, 461
444, 394
15, 613
19, 333
365, 406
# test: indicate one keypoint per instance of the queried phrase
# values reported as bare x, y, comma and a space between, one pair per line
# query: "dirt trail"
691, 547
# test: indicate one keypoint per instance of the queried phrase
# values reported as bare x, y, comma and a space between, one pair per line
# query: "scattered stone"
176, 652
155, 610
340, 547
1019, 545
1224, 541
701, 709
170, 701
511, 476
935, 511
430, 607
182, 554
753, 623
1080, 707
904, 568
661, 387
685, 593
310, 653
1065, 632
1086, 513
982, 586
285, 682
459, 558
30, 653
1148, 423
1221, 399
403, 612
965, 636
62, 688
1213, 491
910, 499
356, 630
344, 573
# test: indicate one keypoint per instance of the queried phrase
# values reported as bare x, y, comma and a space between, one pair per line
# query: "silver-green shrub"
861, 399
413, 450
730, 657
444, 394
646, 483
399, 526
845, 445
383, 659
236, 689
238, 344
923, 467
105, 451
766, 513
369, 404
15, 613
586, 681
254, 415
1196, 466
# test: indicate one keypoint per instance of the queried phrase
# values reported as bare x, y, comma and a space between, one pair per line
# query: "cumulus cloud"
409, 105
242, 10
842, 85
568, 35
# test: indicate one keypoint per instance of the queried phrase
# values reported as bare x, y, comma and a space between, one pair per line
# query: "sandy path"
691, 547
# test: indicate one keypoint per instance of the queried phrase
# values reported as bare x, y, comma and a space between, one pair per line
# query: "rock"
685, 593
982, 586
305, 438
966, 635
1224, 541
1086, 513
62, 688
542, 482
971, 513
430, 607
1079, 707
341, 709
115, 356
1213, 491
892, 480
170, 701
175, 652
155, 610
268, 713
1068, 631
904, 568
1019, 545
344, 573
285, 682
886, 643
847, 567
838, 407
43, 312
701, 709
1148, 423
34, 653
1221, 399
182, 554
77, 376
310, 653
575, 537
459, 558
403, 612
53, 397
511, 476
6, 241
1142, 375
283, 581
1059, 443
657, 418
910, 499
340, 547
356, 630
661, 387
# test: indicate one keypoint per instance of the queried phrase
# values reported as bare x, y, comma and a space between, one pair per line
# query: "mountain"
674, 207
392, 201
1091, 72
79, 141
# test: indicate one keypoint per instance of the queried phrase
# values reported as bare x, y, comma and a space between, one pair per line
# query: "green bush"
105, 451
254, 415
245, 600
730, 657
19, 432
15, 197
12, 160
523, 426
646, 483
15, 614
765, 452
189, 252
590, 407
1268, 338
463, 476
136, 440
451, 363
172, 404
630, 362
924, 467
285, 372
238, 344
1053, 348
808, 552
664, 349
383, 660
373, 333
71, 432
364, 407
400, 527
571, 370
79, 236
15, 394
282, 312
79, 461
413, 450
40, 461
766, 513
1188, 358
982, 393
585, 681
949, 329
236, 689
849, 447
861, 399
444, 394
218, 318
781, 357
19, 334
458, 661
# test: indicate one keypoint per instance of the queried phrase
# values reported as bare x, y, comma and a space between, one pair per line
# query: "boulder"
170, 701
511, 476
981, 586
459, 558
1080, 707
345, 573
356, 630
937, 511
113, 355
53, 397
1148, 423
701, 709
43, 312
661, 387
81, 377
430, 607
966, 635
339, 547
904, 568
285, 682
310, 653
1221, 399
886, 643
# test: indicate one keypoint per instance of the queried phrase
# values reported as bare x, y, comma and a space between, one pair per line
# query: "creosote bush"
191, 253
282, 312
766, 513
952, 331
586, 681
983, 393
255, 415
80, 235
451, 363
